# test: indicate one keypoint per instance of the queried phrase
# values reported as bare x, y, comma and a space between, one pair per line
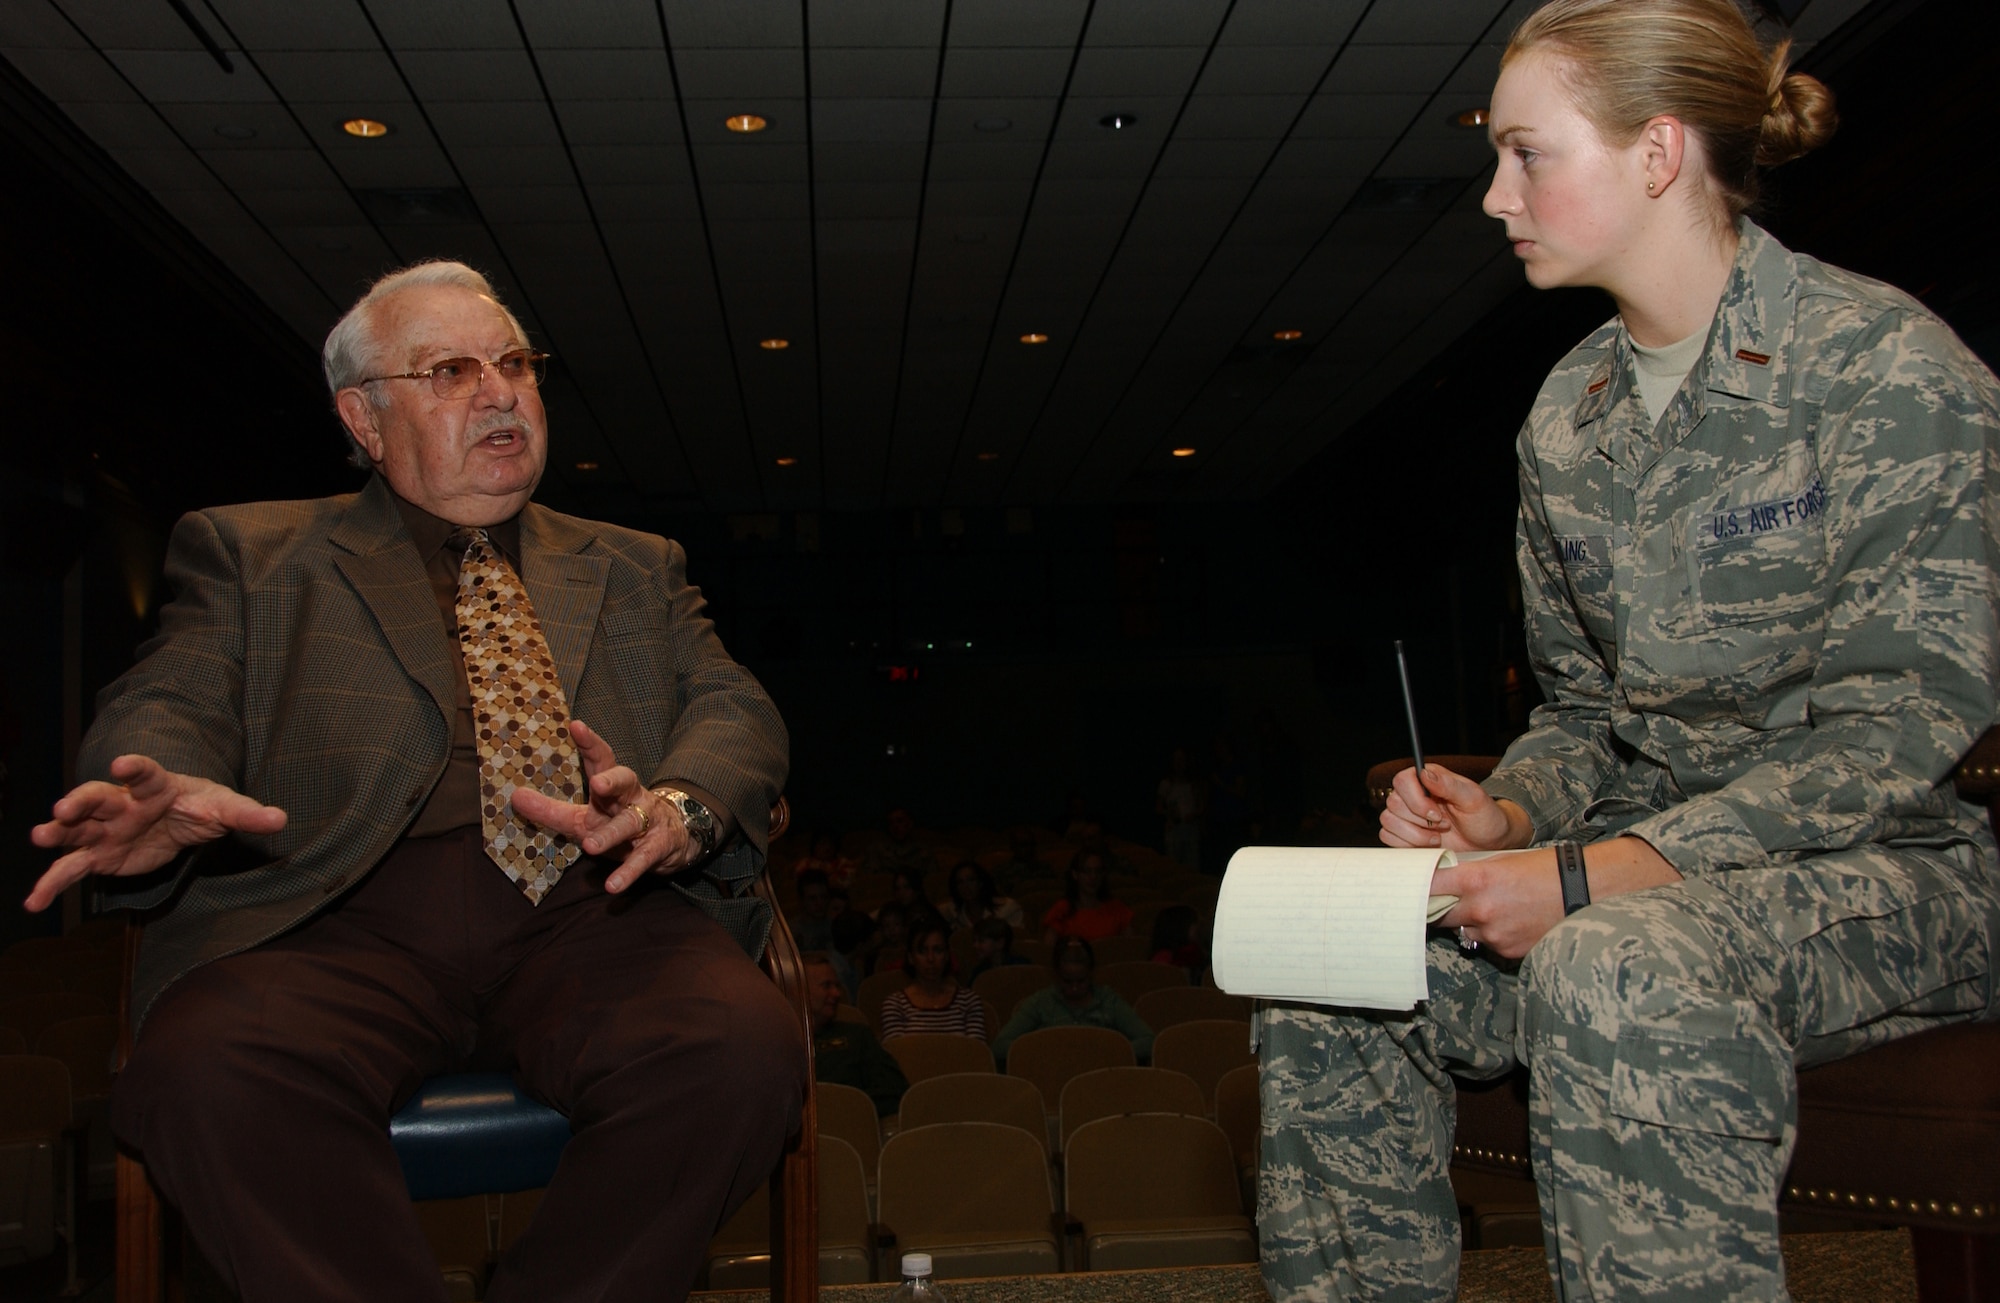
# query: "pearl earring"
1649, 187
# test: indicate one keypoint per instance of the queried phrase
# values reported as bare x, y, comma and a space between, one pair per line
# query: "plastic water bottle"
917, 1286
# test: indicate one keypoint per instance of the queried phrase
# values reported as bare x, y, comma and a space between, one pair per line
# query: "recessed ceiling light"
774, 344
1034, 337
1473, 118
745, 123
1183, 452
1287, 336
586, 465
987, 456
236, 131
788, 461
366, 128
1117, 121
993, 123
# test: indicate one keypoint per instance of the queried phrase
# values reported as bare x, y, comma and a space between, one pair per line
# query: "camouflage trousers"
1660, 1031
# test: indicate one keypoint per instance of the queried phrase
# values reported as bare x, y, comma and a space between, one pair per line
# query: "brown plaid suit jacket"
302, 662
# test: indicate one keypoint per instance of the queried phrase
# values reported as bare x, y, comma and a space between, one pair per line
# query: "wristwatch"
699, 819
1575, 885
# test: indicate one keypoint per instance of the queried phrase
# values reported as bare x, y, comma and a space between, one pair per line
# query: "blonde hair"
1630, 61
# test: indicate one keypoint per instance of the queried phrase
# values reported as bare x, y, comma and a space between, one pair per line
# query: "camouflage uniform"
1765, 627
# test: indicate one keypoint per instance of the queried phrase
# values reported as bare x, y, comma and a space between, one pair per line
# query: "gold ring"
645, 820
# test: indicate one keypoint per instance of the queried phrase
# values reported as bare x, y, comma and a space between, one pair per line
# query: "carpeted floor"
1872, 1265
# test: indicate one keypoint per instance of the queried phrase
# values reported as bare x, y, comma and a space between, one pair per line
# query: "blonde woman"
1758, 550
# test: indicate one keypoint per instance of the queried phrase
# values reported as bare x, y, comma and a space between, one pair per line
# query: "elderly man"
425, 777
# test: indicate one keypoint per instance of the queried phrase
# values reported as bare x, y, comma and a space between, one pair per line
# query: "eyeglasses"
460, 377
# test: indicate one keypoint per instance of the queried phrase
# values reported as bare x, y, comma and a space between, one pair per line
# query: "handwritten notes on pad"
1328, 925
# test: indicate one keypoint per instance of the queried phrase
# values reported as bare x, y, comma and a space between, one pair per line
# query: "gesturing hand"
138, 823
1436, 807
621, 812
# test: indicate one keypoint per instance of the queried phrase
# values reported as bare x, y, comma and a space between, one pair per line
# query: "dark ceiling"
937, 181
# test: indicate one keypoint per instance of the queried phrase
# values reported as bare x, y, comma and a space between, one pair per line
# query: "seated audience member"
906, 888
1076, 1000
812, 924
1177, 939
837, 902
993, 947
1092, 837
847, 1053
935, 1001
898, 850
1088, 909
883, 951
825, 856
1022, 863
975, 898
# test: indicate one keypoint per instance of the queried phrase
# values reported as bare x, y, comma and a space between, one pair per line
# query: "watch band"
699, 819
1575, 885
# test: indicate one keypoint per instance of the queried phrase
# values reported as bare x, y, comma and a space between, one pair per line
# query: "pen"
1409, 705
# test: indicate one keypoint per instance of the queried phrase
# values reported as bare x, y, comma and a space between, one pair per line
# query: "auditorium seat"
1204, 1049
875, 988
932, 1054
1006, 987
1121, 950
1051, 1056
1133, 979
739, 1257
1154, 1190
37, 1199
1110, 1092
975, 1097
85, 1047
1163, 1008
973, 1195
1239, 1112
848, 1114
30, 1014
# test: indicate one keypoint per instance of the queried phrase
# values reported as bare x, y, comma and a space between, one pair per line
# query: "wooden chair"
1903, 1134
141, 1266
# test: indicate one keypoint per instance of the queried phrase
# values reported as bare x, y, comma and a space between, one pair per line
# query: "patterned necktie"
518, 713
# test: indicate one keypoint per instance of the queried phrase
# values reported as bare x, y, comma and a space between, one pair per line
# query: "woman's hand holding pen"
1435, 807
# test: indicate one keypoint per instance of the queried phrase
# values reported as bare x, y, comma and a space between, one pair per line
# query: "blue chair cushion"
476, 1133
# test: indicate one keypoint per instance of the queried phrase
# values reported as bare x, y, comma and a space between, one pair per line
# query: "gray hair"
352, 351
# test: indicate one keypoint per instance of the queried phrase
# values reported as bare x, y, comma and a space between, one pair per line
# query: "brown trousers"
261, 1086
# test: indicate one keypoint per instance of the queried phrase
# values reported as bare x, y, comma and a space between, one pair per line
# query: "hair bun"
1801, 116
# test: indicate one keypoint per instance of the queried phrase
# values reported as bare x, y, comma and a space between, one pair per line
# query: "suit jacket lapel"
566, 585
374, 553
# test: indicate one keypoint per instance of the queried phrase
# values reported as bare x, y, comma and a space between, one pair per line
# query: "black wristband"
1575, 885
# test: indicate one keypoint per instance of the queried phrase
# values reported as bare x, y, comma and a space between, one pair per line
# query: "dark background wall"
1056, 650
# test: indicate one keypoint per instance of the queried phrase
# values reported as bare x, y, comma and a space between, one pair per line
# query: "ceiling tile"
485, 165
1265, 69
507, 203
618, 122
345, 75
1359, 116
880, 23
871, 121
160, 170
1288, 22
313, 209
1086, 196
1102, 158
1016, 22
697, 24
440, 75
1155, 22
447, 25
114, 25
1238, 117
873, 74
1214, 158
38, 25
524, 122
1019, 123
606, 74
873, 199
741, 76
1433, 21
260, 25
977, 73
1373, 69
848, 160
737, 202
270, 169
968, 161
1121, 71
322, 118
413, 165
68, 76
647, 202
1467, 156
1316, 158
168, 76
620, 165
224, 126
591, 24
123, 126
773, 162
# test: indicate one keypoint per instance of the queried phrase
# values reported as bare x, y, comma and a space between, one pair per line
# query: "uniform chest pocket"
1587, 570
1761, 561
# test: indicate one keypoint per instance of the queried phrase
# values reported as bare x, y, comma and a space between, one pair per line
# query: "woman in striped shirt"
935, 1001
